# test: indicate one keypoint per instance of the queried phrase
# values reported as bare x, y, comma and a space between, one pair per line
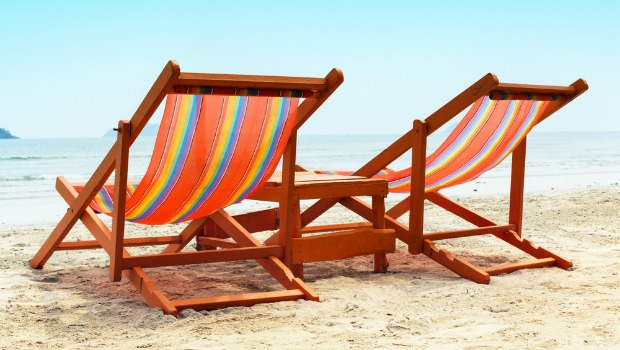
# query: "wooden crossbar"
435, 236
251, 81
202, 257
334, 227
342, 245
127, 242
217, 242
506, 268
237, 300
536, 89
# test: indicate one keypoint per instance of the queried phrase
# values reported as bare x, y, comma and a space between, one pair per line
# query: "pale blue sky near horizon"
74, 68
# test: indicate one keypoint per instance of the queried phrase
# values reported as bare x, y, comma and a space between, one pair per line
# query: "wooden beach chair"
496, 125
220, 139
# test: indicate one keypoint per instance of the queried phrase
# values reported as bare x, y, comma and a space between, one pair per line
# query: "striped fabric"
103, 202
208, 90
487, 134
211, 151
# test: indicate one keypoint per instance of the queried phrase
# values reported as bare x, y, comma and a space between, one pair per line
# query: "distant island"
149, 130
5, 134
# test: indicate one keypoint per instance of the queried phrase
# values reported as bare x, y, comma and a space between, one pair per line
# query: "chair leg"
297, 269
528, 247
381, 262
418, 174
120, 189
459, 266
517, 186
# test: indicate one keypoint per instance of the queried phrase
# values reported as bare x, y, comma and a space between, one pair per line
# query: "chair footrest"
506, 268
237, 300
342, 245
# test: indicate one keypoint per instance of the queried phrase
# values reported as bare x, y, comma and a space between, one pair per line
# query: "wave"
33, 158
27, 178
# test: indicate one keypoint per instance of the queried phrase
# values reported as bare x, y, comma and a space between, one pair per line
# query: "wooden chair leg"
517, 184
381, 262
297, 269
459, 266
120, 197
418, 168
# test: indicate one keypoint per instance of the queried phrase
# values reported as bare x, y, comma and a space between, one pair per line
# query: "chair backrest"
488, 133
211, 151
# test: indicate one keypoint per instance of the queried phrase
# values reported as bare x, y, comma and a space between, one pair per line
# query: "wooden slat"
217, 242
248, 299
251, 81
128, 242
202, 257
312, 186
434, 236
342, 189
334, 227
537, 89
506, 268
342, 245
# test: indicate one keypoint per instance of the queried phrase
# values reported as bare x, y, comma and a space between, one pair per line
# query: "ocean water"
555, 161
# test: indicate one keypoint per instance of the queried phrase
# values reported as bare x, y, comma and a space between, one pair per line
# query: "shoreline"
72, 304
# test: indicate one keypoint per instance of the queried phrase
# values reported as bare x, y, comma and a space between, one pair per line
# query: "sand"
72, 304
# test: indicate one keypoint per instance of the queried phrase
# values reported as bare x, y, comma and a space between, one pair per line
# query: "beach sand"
72, 304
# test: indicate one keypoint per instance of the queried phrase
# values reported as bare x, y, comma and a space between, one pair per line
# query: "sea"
556, 161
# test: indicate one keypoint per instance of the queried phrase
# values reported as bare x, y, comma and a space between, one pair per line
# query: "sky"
74, 68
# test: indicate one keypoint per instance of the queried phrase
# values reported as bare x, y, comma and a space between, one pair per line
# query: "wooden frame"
245, 246
413, 234
319, 242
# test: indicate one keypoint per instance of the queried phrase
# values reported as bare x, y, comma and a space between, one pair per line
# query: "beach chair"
496, 125
221, 138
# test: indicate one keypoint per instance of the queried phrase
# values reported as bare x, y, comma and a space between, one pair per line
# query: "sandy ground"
72, 304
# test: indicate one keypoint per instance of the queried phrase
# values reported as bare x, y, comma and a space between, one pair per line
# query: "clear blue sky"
73, 68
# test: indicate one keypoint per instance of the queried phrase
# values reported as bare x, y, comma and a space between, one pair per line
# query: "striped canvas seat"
487, 134
207, 156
